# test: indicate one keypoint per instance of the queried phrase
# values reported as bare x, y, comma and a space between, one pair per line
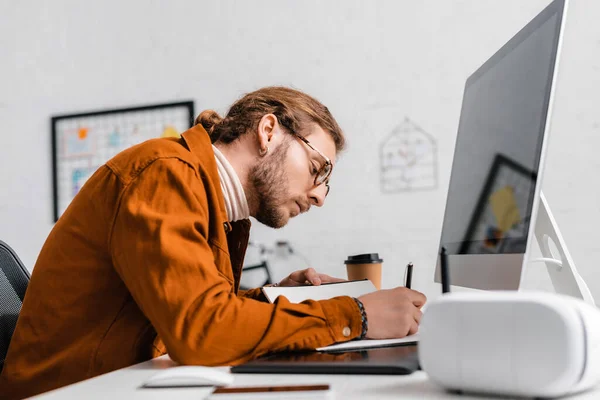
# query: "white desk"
124, 384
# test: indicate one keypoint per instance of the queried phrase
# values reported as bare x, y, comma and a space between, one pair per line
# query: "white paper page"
369, 343
297, 294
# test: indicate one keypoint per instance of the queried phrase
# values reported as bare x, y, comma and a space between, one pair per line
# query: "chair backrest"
14, 279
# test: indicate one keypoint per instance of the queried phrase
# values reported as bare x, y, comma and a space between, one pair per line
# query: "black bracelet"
365, 322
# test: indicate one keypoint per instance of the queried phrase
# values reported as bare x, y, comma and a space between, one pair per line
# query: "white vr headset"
511, 343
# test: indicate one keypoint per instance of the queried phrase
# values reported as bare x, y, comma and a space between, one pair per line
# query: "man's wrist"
364, 320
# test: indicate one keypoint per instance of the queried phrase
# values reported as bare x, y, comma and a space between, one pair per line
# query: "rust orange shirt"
144, 262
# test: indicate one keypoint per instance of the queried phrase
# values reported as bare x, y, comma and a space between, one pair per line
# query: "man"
147, 258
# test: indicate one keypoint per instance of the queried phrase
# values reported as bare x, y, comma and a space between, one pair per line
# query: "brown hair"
294, 111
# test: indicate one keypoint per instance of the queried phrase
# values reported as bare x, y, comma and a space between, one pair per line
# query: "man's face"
285, 179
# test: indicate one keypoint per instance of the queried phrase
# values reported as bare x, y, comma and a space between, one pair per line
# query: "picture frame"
82, 142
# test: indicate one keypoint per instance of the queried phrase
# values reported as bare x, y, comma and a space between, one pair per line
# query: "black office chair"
14, 279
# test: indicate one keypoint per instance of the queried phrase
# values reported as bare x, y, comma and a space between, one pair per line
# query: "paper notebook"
297, 294
370, 344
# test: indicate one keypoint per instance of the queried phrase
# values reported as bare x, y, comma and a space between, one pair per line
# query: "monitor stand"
561, 268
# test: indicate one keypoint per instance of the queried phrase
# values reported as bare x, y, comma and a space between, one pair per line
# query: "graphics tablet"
398, 360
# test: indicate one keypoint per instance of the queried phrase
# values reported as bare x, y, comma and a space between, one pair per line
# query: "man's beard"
271, 186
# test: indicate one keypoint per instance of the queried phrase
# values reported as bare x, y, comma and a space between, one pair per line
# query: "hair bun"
208, 119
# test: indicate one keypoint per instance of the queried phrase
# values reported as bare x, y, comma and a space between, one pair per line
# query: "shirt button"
346, 331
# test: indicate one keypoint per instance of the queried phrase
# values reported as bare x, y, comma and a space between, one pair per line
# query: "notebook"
370, 344
298, 294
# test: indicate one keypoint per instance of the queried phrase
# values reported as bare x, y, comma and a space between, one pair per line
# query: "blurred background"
391, 72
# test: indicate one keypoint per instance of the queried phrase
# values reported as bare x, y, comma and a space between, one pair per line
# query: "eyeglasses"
323, 173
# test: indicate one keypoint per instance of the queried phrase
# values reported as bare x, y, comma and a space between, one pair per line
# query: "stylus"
444, 271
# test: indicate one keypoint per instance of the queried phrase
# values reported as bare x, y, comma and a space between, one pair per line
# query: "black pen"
408, 280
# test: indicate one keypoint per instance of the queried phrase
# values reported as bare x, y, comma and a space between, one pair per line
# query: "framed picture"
500, 222
83, 142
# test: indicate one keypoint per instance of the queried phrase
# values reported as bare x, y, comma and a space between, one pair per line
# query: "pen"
408, 280
444, 271
269, 389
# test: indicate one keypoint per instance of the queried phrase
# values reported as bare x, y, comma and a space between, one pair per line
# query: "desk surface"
124, 384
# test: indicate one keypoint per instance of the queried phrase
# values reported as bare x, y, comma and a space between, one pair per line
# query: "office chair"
14, 279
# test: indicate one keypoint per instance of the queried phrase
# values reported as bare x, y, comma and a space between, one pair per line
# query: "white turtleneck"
233, 192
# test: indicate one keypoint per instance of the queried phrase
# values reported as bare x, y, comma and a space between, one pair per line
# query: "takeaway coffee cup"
365, 266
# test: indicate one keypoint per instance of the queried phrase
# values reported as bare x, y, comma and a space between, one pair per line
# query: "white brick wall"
371, 63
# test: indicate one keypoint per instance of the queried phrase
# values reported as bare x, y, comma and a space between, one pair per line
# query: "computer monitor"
494, 197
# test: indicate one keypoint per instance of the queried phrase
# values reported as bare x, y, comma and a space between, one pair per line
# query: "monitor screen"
499, 146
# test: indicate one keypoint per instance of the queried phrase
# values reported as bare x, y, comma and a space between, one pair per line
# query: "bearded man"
147, 258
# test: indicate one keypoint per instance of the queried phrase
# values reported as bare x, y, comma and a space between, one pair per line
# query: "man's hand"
308, 277
393, 313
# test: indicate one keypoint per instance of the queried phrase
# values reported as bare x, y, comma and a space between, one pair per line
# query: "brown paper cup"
371, 272
365, 266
